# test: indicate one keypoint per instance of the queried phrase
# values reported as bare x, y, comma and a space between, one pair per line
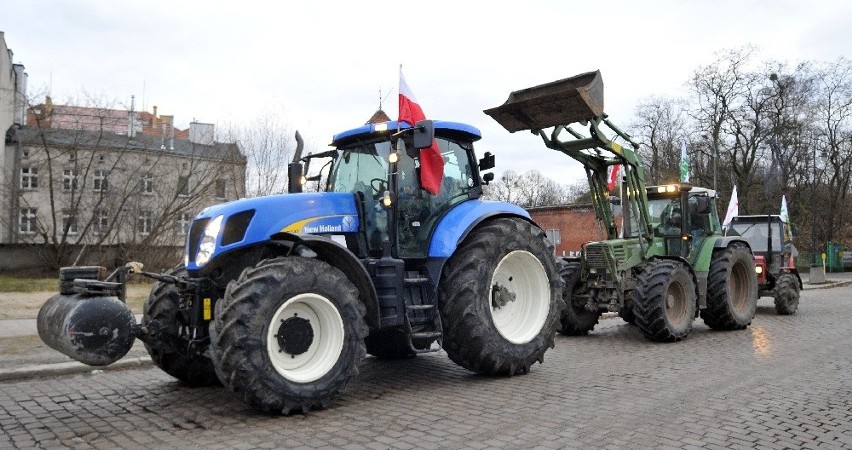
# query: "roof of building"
86, 139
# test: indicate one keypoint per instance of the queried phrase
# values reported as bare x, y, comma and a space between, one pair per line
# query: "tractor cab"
768, 236
684, 216
381, 165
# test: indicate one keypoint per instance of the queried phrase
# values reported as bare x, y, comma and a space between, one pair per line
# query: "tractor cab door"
362, 169
419, 211
699, 224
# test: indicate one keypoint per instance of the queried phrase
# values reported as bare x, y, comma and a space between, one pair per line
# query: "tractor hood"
228, 226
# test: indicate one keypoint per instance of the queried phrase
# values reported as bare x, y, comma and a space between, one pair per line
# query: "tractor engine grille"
598, 253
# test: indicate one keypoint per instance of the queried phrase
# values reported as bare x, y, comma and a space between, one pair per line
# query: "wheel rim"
676, 303
305, 338
738, 287
519, 297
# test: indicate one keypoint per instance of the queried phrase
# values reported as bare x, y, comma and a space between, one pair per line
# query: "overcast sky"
323, 64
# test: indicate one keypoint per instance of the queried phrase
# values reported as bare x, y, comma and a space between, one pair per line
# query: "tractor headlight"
208, 241
758, 269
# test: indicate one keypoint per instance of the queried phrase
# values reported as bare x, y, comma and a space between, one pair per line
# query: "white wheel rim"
521, 274
325, 347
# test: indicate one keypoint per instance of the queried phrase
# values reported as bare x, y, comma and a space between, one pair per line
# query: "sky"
327, 66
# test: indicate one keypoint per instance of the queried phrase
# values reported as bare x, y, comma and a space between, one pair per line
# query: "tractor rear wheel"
731, 289
576, 320
500, 298
664, 301
786, 294
168, 343
289, 334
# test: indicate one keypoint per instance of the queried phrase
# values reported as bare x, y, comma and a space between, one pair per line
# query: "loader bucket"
575, 99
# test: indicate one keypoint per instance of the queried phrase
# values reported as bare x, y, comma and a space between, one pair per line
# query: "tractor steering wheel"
381, 188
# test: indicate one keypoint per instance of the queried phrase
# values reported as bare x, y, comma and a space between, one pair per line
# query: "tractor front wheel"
576, 320
168, 341
500, 298
664, 301
289, 334
731, 289
786, 294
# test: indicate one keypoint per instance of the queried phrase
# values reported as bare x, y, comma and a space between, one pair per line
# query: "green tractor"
669, 261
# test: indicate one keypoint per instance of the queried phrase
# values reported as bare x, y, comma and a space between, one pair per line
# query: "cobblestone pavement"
782, 383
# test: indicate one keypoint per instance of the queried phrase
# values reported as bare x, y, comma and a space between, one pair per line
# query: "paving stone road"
782, 383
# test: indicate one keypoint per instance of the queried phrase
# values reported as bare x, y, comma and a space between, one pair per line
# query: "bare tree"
662, 126
89, 178
529, 189
269, 143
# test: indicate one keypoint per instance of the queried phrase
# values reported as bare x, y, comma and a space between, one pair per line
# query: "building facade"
568, 226
13, 86
78, 177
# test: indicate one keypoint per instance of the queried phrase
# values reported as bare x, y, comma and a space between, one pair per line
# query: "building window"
101, 158
147, 186
101, 183
29, 178
183, 186
25, 153
69, 180
145, 222
554, 235
184, 220
69, 223
221, 190
27, 221
100, 221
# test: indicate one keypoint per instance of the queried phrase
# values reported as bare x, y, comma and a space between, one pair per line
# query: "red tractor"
777, 276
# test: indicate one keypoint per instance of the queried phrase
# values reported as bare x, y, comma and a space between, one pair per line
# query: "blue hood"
252, 220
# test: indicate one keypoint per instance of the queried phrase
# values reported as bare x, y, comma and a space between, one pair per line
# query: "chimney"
131, 122
154, 118
201, 133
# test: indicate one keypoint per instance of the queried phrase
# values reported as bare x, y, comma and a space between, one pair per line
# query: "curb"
67, 368
827, 285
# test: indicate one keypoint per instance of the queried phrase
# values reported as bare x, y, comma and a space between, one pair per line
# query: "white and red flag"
431, 161
613, 173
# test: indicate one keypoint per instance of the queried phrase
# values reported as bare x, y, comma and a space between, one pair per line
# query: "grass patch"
15, 284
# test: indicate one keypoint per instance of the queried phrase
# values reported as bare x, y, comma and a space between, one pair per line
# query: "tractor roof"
442, 128
667, 190
761, 218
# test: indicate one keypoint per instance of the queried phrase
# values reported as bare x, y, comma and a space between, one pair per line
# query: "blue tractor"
280, 297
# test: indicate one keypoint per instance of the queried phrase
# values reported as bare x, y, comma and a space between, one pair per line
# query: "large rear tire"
168, 345
576, 320
664, 301
500, 298
786, 294
289, 334
731, 289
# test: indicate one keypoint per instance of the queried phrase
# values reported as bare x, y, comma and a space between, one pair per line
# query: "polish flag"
431, 161
612, 176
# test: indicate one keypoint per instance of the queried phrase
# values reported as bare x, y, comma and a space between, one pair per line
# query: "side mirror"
424, 134
487, 161
488, 178
294, 177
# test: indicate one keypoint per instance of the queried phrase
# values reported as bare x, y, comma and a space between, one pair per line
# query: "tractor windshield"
665, 215
757, 235
360, 166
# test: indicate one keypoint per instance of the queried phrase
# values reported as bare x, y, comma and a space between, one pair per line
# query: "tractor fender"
335, 254
795, 272
463, 218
